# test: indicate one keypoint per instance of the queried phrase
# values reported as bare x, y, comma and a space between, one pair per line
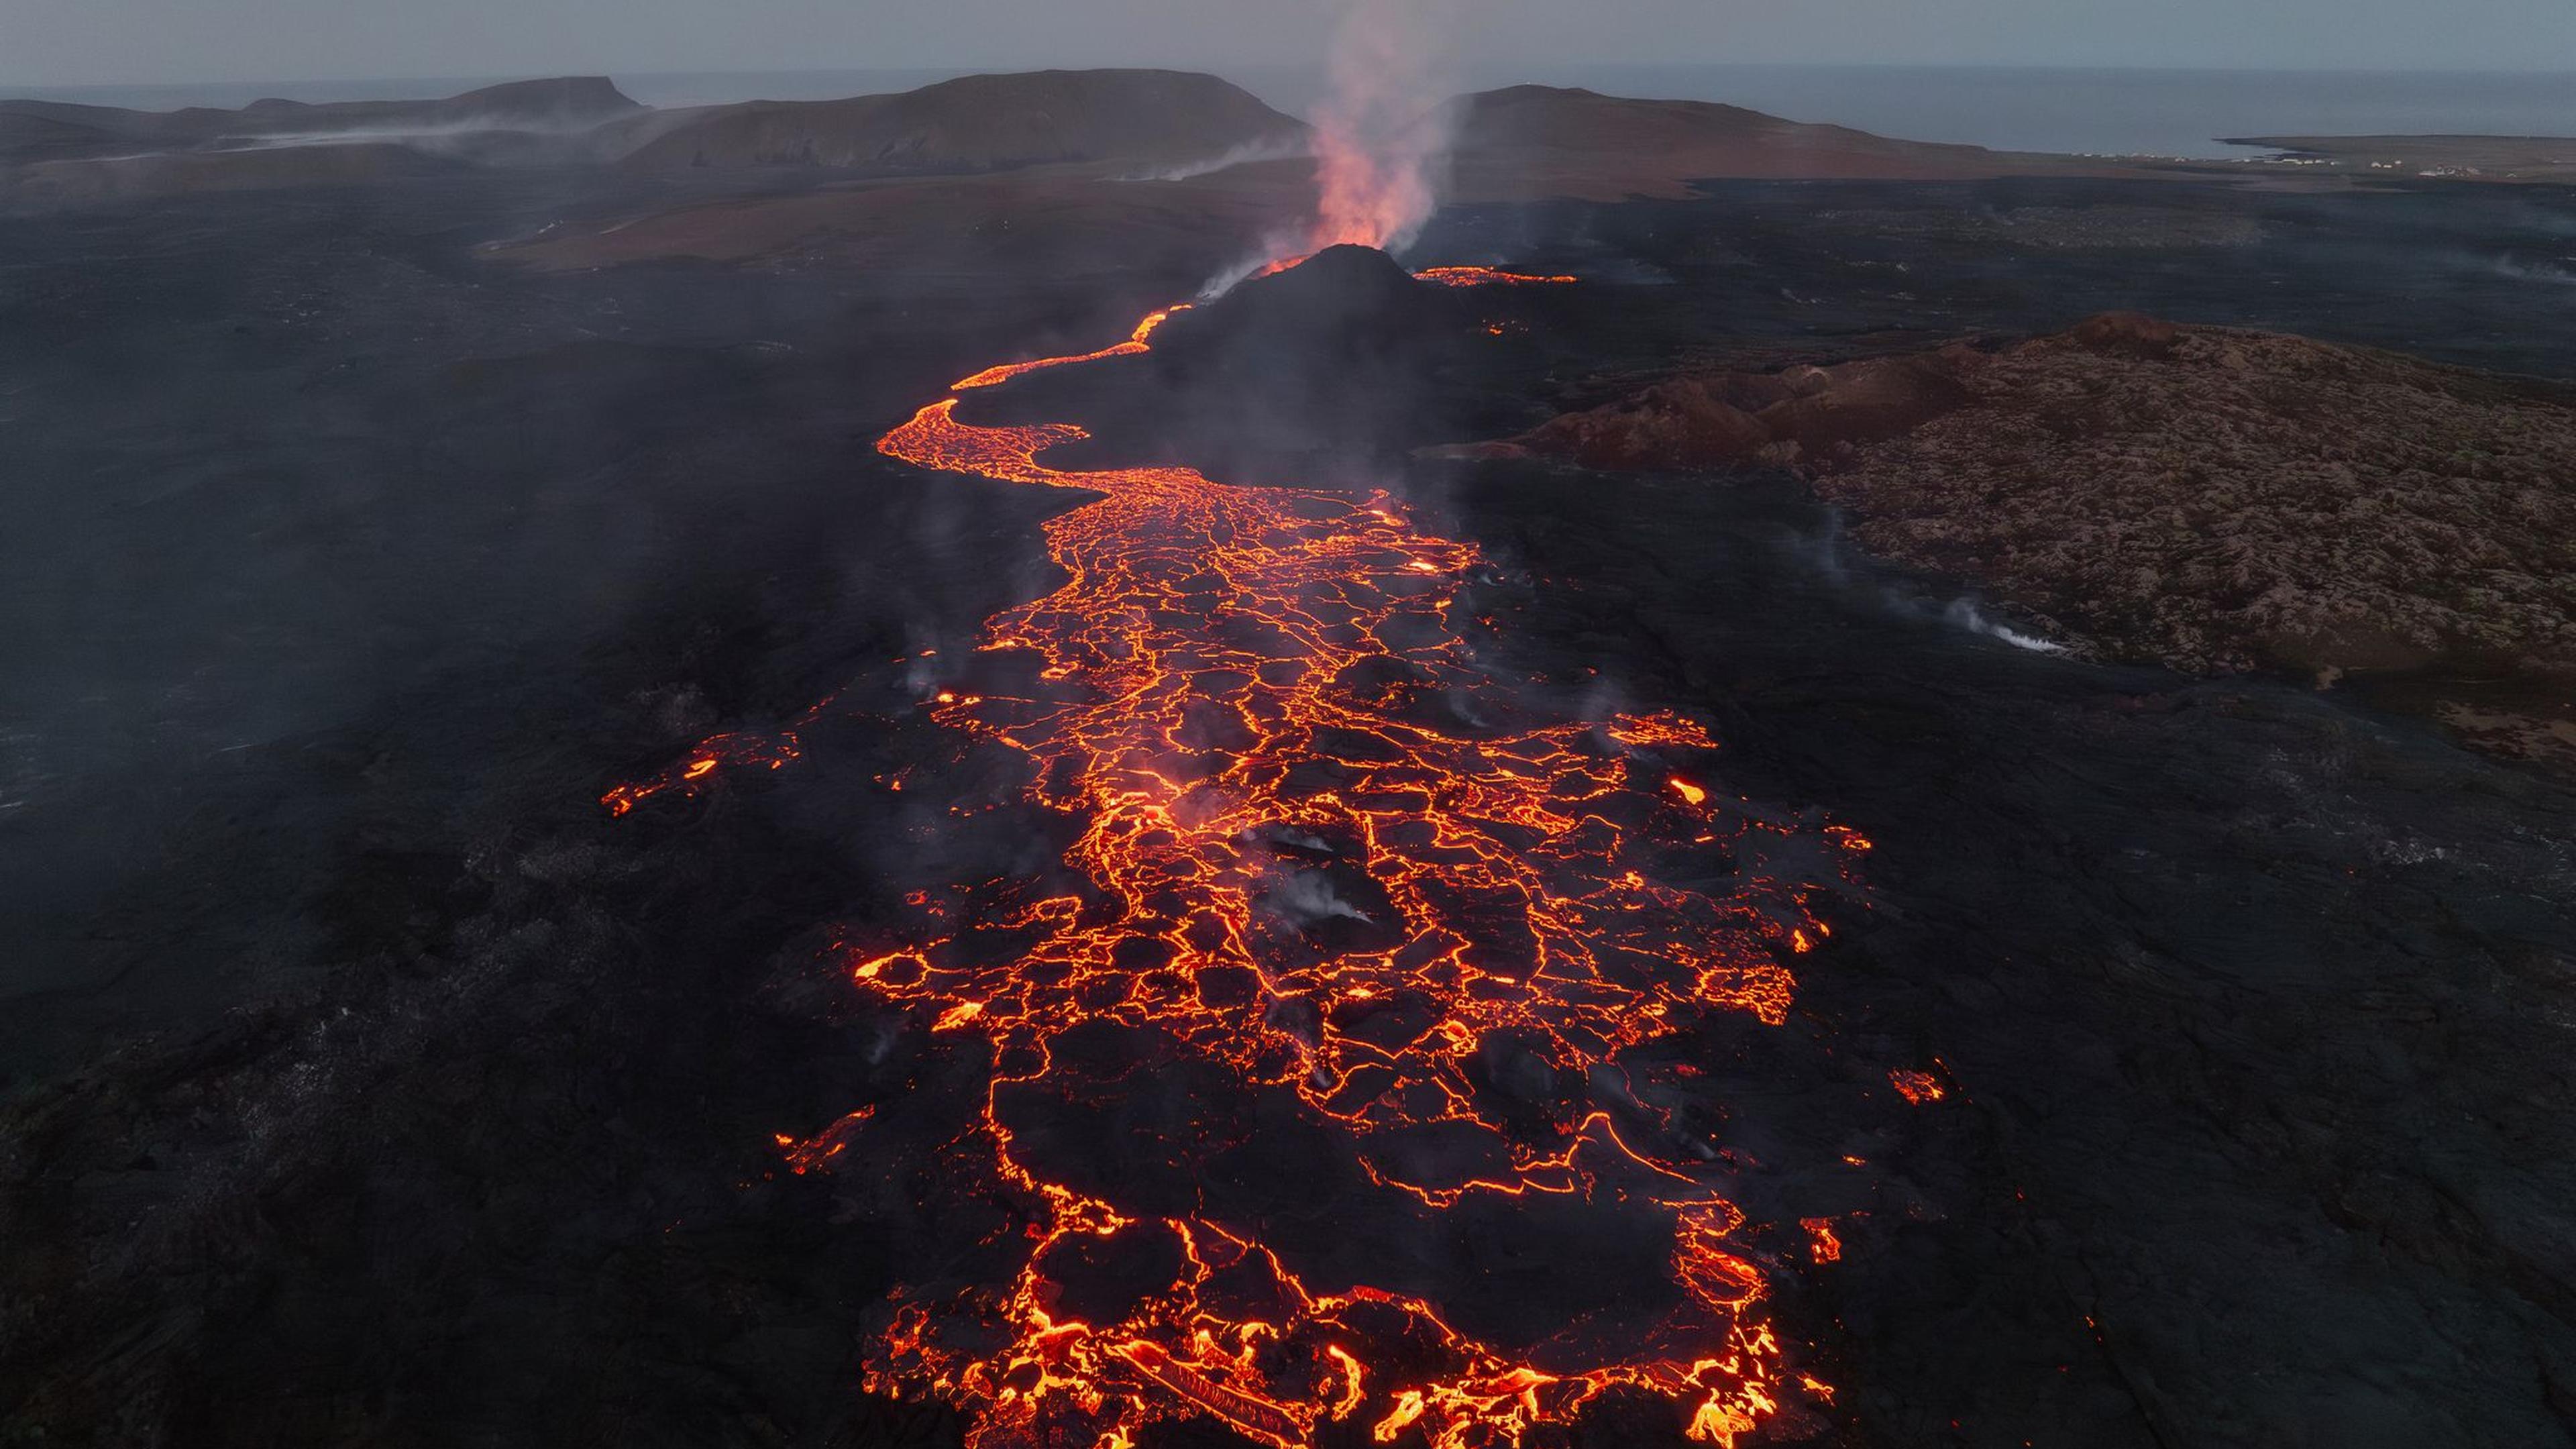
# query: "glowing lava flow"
1486, 277
1326, 855
1136, 342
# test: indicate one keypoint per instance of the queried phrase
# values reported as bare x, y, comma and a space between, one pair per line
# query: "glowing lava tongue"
1328, 860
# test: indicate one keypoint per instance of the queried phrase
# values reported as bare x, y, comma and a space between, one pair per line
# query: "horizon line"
1221, 70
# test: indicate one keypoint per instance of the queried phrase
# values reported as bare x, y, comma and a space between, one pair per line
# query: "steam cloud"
1968, 616
1307, 898
1380, 136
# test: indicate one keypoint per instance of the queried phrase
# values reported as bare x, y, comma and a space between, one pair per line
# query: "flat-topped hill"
975, 123
1549, 140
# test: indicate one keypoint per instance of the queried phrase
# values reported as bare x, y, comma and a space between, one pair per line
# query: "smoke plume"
1381, 132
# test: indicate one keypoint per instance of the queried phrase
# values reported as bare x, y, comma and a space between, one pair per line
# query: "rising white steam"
1266, 148
1381, 132
1380, 136
1968, 616
1306, 899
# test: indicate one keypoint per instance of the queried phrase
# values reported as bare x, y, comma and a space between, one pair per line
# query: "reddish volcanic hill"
976, 123
2206, 498
1737, 419
1547, 141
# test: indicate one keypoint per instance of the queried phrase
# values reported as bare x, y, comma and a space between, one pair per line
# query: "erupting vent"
1330, 859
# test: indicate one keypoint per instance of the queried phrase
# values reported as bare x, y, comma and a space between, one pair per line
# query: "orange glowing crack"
1486, 277
1243, 705
1822, 1243
712, 754
1248, 1412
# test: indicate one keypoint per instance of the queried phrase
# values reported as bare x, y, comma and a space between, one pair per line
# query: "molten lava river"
1395, 957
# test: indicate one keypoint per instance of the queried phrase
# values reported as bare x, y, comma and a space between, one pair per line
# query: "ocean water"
2094, 111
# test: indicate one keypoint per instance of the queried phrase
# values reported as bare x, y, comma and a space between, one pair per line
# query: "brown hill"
974, 123
1528, 141
1739, 419
2206, 498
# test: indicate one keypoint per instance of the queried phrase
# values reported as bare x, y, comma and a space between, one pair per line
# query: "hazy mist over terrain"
77, 42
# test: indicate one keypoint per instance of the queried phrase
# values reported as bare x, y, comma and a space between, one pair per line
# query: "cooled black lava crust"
368, 1085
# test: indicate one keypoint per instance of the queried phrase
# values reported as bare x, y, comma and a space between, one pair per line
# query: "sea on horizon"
2077, 110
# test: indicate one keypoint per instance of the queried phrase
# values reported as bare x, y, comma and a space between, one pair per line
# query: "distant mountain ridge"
1521, 143
55, 153
1548, 140
975, 123
1518, 143
58, 130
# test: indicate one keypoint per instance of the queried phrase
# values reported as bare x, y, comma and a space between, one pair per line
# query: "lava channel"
1326, 859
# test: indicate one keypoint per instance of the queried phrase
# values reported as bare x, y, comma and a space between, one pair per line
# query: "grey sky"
74, 42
